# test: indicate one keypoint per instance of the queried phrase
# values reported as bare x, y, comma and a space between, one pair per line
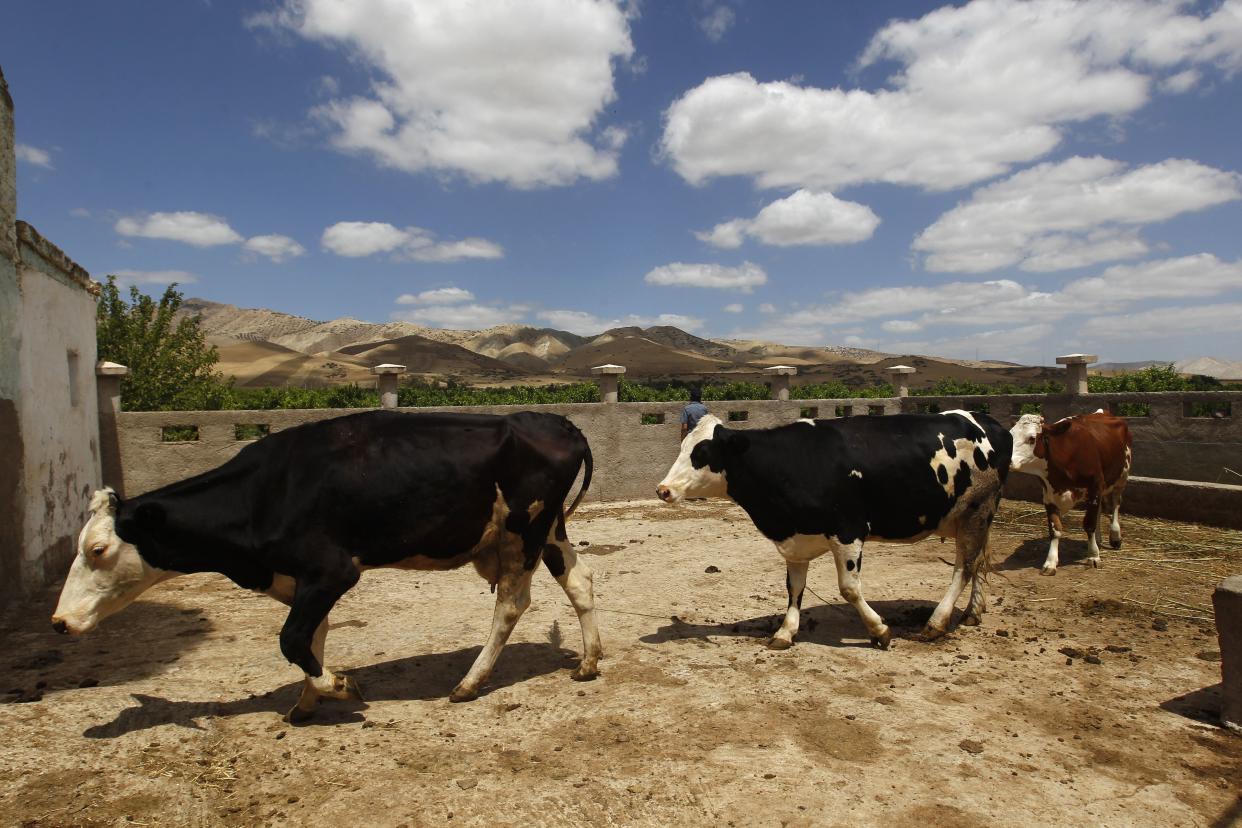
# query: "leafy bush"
170, 365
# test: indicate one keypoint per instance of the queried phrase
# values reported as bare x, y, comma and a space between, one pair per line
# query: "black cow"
300, 514
828, 485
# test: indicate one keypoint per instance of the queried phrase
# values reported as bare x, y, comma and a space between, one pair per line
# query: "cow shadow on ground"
415, 678
39, 660
830, 625
1032, 553
1202, 705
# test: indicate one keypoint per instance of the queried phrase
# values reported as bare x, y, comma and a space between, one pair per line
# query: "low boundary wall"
1178, 458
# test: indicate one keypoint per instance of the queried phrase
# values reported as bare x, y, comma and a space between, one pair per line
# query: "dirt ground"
1082, 699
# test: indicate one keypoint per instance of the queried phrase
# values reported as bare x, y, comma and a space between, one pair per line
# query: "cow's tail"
589, 464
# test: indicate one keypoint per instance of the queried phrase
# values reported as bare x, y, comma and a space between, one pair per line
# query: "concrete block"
1227, 601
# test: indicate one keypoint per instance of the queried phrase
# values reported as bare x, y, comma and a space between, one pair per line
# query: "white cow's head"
699, 468
107, 573
1025, 443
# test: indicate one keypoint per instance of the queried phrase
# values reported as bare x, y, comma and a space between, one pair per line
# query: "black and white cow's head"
699, 470
107, 573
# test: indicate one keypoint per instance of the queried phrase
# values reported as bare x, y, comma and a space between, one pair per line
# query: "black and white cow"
300, 514
819, 486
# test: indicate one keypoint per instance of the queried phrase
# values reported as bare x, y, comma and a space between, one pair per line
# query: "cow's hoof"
1115, 543
1048, 570
775, 643
1094, 563
299, 715
970, 621
882, 641
930, 633
461, 694
584, 673
347, 688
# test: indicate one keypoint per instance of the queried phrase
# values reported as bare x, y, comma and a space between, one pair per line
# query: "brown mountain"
260, 364
420, 355
640, 355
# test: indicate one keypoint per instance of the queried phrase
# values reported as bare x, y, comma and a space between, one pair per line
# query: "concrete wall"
49, 434
1167, 442
632, 456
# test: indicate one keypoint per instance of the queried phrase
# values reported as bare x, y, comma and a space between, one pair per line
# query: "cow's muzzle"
59, 625
664, 493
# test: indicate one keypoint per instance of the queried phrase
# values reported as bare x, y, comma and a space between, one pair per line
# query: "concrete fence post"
609, 380
108, 376
386, 377
899, 374
1076, 371
1227, 601
780, 375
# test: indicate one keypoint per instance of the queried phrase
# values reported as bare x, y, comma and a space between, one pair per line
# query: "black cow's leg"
306, 628
849, 579
512, 599
795, 584
576, 579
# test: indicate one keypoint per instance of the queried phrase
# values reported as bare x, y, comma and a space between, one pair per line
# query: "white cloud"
198, 229
462, 317
715, 21
588, 324
743, 277
976, 89
508, 92
1161, 323
80, 212
1069, 214
366, 238
34, 156
153, 277
1002, 343
362, 238
438, 296
734, 308
803, 218
767, 307
276, 247
471, 248
1181, 82
901, 326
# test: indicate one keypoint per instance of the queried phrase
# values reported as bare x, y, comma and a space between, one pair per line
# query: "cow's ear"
150, 516
736, 442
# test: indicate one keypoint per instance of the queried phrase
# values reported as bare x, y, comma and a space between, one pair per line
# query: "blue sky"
995, 179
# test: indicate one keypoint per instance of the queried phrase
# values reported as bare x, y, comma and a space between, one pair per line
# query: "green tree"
170, 363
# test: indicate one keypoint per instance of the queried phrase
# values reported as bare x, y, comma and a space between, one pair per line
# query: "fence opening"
1019, 409
843, 410
980, 408
929, 408
1209, 410
250, 431
179, 434
875, 411
652, 419
809, 412
738, 416
1121, 409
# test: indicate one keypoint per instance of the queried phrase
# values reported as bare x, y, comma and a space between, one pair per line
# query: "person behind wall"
692, 413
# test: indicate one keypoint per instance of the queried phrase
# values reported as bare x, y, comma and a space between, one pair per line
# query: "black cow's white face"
1025, 433
699, 469
107, 573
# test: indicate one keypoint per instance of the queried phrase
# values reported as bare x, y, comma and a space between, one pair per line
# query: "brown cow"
1082, 460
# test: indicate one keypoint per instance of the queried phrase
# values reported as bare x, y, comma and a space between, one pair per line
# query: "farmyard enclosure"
1083, 698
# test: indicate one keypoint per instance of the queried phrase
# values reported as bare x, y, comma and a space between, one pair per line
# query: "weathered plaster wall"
58, 411
11, 465
49, 433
